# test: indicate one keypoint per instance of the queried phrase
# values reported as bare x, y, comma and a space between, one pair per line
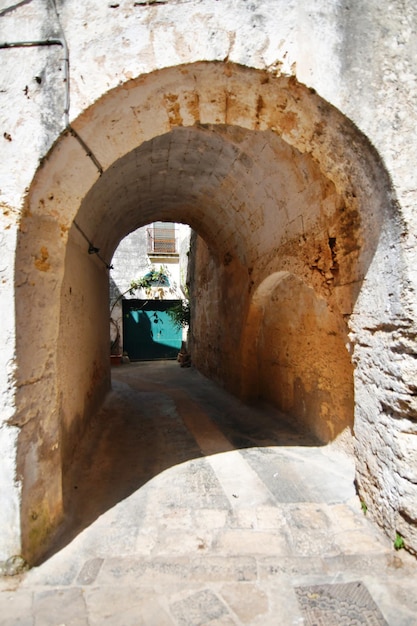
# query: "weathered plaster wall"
377, 88
82, 355
9, 484
360, 60
130, 262
303, 364
296, 222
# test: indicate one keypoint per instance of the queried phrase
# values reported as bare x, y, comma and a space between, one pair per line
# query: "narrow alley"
186, 507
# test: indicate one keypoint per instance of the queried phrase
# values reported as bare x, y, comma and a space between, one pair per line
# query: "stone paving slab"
196, 545
16, 607
229, 589
60, 606
125, 606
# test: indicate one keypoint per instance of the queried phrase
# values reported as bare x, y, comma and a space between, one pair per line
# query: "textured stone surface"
237, 573
59, 606
340, 604
220, 115
198, 609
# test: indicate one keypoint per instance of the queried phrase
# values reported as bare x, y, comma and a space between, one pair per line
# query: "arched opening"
296, 357
270, 177
149, 293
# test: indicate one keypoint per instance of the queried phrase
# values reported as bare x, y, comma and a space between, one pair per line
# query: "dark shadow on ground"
140, 431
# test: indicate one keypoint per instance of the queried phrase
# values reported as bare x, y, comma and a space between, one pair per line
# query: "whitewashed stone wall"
359, 59
131, 262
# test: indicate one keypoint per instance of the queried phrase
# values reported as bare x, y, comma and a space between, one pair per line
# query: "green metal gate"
148, 331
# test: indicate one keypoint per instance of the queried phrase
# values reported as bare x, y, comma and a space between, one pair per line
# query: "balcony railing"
162, 241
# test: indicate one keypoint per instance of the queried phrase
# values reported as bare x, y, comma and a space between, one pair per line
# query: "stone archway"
294, 356
271, 177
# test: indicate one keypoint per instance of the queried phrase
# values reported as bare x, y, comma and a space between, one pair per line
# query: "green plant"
364, 507
153, 280
399, 542
180, 314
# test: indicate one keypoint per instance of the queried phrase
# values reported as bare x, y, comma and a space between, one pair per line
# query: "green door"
148, 331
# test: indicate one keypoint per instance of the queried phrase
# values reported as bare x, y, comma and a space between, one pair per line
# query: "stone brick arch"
295, 357
271, 176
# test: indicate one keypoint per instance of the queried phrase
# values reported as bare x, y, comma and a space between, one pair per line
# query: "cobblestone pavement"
192, 509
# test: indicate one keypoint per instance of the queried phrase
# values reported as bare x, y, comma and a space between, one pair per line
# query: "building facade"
162, 248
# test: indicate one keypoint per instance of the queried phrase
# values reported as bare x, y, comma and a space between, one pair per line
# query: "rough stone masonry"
283, 134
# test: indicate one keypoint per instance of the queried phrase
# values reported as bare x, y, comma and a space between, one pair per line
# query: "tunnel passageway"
160, 417
210, 511
289, 203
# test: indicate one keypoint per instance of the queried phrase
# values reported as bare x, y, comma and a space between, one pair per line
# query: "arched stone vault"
271, 177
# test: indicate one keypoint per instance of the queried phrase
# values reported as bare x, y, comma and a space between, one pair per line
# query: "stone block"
276, 566
59, 606
89, 571
128, 605
200, 608
160, 571
246, 600
242, 541
16, 608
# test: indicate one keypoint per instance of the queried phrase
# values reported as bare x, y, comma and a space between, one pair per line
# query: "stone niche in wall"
304, 367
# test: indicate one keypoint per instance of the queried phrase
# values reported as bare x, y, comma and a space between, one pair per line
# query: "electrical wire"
92, 249
60, 41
